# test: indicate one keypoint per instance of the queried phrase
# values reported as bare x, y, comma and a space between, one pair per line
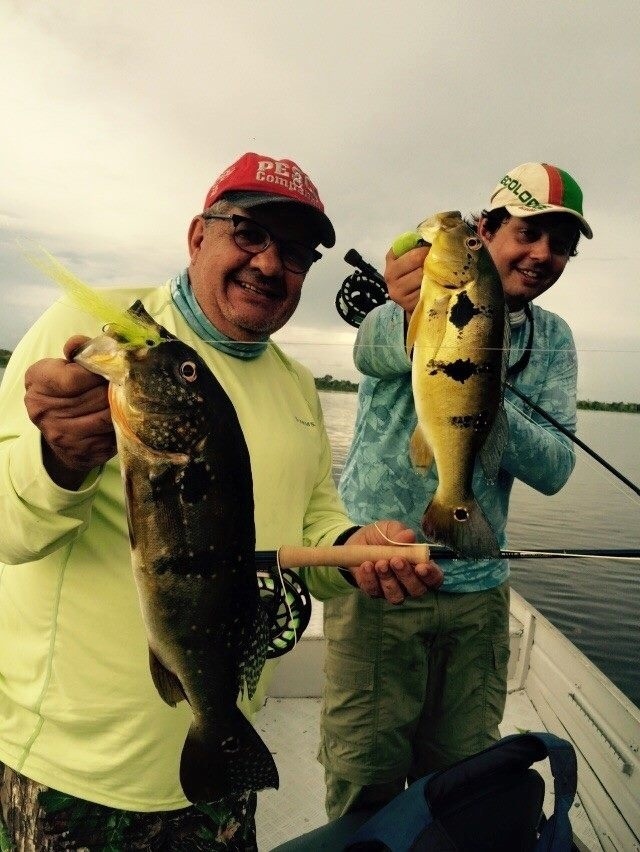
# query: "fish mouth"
105, 356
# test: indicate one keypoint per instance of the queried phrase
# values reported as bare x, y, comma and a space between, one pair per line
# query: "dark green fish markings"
189, 497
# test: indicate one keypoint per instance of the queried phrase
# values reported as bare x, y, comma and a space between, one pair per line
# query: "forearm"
38, 515
537, 453
379, 350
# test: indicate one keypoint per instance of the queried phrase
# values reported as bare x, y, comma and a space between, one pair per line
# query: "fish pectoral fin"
491, 452
428, 326
420, 451
167, 684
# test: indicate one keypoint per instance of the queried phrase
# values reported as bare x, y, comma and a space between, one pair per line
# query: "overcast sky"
118, 116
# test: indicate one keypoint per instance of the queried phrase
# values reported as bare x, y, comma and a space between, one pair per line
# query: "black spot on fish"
194, 482
463, 421
478, 422
162, 481
463, 311
458, 370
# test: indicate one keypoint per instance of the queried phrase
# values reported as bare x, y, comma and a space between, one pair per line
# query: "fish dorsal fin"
255, 652
167, 684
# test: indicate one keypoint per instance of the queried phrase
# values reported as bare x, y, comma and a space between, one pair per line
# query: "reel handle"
354, 258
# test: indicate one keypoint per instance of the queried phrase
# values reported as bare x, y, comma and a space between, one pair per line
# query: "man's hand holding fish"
70, 407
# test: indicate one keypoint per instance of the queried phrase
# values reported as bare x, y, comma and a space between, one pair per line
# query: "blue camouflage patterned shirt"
379, 481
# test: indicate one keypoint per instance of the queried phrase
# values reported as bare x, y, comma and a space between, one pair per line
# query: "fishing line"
287, 603
390, 540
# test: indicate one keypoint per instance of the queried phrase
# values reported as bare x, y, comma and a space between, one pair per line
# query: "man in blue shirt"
415, 688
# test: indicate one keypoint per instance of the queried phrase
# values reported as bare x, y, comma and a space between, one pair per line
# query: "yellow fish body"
459, 337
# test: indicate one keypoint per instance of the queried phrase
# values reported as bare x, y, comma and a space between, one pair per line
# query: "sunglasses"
254, 238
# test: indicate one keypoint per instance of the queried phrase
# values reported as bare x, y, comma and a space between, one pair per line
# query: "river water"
594, 602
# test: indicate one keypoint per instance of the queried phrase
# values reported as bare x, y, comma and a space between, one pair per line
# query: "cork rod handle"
349, 555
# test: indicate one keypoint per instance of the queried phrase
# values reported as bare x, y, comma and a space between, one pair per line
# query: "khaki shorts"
409, 688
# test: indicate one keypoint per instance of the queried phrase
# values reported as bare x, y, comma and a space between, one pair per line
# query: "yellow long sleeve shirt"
78, 709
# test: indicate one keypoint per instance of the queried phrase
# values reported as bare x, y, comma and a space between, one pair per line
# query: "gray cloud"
117, 118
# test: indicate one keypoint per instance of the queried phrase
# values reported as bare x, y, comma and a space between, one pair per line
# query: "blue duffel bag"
490, 802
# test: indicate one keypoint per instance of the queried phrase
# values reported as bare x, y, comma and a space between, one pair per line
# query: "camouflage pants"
39, 819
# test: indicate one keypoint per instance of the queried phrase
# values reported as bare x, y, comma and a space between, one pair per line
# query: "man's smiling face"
247, 296
530, 253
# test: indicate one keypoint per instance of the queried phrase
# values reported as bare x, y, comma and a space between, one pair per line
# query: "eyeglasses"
254, 238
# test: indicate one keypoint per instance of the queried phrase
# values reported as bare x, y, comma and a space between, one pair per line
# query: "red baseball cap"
256, 179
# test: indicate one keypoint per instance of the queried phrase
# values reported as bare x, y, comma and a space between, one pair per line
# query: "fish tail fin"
464, 528
223, 760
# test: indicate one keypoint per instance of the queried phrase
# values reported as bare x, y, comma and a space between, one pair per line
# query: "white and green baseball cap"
535, 188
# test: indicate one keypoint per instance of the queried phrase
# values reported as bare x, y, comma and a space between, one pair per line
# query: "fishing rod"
354, 304
350, 556
574, 438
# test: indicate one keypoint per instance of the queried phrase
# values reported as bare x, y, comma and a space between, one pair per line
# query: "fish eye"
188, 371
473, 243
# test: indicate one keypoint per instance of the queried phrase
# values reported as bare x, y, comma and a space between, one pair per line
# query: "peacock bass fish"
458, 337
189, 501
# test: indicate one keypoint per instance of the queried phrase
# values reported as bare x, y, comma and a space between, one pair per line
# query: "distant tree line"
4, 357
609, 406
328, 383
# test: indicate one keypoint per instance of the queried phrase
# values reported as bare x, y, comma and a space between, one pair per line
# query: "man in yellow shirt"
81, 723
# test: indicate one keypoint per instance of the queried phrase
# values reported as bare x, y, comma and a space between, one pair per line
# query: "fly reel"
361, 292
288, 603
